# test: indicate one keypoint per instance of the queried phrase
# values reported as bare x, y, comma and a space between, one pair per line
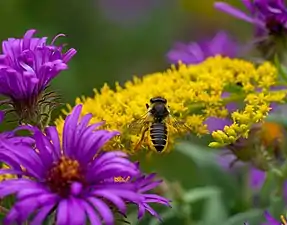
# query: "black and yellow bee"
155, 125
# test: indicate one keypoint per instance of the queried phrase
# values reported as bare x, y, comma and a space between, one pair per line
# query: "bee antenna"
147, 106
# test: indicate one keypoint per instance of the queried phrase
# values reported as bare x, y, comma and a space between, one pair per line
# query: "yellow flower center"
63, 174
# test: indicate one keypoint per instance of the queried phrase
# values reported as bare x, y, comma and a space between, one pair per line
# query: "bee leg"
138, 145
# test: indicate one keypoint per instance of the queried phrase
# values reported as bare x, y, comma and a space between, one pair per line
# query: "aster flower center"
275, 26
63, 174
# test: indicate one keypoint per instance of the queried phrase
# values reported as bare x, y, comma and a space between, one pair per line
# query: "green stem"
280, 177
279, 67
247, 194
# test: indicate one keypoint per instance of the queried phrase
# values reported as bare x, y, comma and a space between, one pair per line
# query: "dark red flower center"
275, 26
63, 174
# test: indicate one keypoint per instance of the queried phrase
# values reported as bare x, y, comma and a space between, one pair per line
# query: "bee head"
158, 100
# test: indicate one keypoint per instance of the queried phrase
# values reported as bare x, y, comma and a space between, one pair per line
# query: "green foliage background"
110, 51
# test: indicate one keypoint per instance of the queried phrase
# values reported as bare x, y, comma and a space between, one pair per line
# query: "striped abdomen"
158, 135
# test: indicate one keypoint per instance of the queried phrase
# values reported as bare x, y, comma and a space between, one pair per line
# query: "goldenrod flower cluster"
193, 92
255, 111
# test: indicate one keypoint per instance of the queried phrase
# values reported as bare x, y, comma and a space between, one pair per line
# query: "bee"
155, 125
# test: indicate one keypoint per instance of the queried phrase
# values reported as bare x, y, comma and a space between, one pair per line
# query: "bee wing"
178, 125
137, 125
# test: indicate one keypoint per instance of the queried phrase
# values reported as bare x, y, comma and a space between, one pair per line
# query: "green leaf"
50, 220
8, 202
210, 172
197, 194
268, 187
214, 207
200, 155
277, 206
215, 212
282, 71
254, 216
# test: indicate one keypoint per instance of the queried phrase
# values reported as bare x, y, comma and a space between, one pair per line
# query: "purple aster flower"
269, 18
27, 66
72, 178
193, 53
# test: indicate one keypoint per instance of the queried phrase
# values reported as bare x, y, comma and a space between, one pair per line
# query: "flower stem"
279, 67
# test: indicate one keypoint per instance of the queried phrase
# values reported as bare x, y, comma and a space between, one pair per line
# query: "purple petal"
42, 214
285, 191
221, 44
214, 123
69, 130
63, 213
249, 5
256, 178
125, 194
26, 207
235, 12
28, 66
52, 133
91, 213
103, 209
225, 160
117, 201
76, 212
76, 188
43, 151
28, 158
270, 219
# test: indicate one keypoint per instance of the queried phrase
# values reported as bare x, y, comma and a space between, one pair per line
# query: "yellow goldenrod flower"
255, 111
193, 92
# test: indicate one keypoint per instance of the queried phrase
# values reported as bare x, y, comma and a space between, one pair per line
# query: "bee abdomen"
158, 135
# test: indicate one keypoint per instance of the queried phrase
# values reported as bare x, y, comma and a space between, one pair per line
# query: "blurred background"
117, 39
